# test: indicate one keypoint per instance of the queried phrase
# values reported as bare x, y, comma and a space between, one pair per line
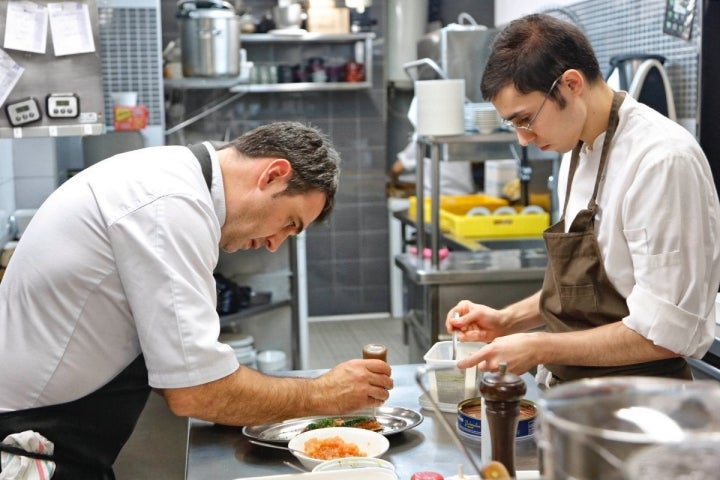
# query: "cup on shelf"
125, 99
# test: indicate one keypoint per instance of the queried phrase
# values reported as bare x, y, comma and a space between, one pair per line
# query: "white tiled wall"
7, 187
35, 168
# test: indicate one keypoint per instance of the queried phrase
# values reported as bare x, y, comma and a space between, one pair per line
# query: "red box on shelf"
127, 118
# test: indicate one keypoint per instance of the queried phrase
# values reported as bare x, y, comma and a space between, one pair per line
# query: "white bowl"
372, 444
271, 361
351, 463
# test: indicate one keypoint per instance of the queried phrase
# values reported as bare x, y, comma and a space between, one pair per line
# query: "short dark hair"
532, 52
315, 162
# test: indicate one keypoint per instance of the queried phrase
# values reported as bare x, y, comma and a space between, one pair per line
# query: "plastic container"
494, 226
451, 385
458, 204
125, 99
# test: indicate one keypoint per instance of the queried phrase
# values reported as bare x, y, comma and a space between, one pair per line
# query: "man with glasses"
634, 261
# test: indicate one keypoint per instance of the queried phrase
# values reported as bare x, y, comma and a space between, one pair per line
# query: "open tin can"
469, 414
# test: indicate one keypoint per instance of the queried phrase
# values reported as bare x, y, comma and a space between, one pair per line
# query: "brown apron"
89, 432
577, 294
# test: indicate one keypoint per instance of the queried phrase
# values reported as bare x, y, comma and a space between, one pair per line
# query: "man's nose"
273, 242
524, 136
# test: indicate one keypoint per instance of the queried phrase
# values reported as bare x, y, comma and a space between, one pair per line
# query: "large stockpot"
210, 38
630, 428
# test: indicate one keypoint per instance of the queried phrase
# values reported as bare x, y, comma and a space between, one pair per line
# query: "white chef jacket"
118, 261
658, 226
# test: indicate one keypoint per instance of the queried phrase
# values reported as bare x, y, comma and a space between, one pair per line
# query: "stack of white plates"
470, 116
486, 118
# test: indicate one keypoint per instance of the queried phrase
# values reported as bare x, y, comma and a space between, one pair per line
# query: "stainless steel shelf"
300, 87
234, 84
77, 130
486, 266
189, 83
232, 318
308, 37
495, 137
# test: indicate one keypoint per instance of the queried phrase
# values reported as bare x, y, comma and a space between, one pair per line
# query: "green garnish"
336, 422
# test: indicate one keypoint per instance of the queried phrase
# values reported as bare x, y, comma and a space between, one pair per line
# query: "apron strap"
613, 121
203, 156
4, 447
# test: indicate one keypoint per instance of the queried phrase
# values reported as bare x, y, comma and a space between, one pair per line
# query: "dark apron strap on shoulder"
203, 156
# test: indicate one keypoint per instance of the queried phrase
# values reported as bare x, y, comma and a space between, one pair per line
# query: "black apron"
577, 293
89, 433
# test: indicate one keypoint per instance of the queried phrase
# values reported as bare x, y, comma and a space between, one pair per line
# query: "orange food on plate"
331, 448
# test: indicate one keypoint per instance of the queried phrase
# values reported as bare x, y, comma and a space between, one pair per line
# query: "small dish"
351, 463
370, 443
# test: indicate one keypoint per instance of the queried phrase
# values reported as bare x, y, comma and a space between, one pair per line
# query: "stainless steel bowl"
289, 16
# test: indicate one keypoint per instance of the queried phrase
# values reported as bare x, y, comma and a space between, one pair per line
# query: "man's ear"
278, 170
574, 80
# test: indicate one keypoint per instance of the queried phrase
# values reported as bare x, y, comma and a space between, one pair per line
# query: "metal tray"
393, 420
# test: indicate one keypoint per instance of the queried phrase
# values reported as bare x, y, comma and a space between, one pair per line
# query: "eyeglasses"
522, 125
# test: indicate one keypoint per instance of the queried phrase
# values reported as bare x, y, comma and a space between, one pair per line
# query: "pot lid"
205, 8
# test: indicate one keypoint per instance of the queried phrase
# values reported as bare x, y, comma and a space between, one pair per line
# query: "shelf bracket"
204, 113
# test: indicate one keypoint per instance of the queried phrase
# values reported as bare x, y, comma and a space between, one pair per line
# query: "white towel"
17, 467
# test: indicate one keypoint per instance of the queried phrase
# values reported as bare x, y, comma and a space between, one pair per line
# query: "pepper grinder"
502, 392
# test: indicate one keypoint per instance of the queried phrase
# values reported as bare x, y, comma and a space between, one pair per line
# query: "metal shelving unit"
241, 84
493, 144
493, 277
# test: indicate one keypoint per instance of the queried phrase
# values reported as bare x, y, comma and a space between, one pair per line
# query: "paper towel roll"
440, 107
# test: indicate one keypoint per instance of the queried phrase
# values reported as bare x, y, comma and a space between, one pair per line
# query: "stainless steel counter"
224, 453
476, 267
495, 278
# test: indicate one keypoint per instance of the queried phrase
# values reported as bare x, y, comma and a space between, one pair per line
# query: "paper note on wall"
70, 28
26, 27
10, 73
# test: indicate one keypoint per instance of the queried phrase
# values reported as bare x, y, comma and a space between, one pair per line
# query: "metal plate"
393, 420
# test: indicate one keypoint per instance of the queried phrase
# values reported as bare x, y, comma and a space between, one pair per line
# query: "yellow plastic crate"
457, 204
494, 226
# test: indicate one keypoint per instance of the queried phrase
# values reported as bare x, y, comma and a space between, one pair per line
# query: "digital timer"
22, 112
62, 105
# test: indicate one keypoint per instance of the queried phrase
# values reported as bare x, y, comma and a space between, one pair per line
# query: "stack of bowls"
486, 118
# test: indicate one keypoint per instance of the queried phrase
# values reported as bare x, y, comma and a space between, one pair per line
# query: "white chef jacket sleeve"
670, 221
166, 252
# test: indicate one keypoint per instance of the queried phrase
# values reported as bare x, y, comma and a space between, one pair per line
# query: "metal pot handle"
424, 61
